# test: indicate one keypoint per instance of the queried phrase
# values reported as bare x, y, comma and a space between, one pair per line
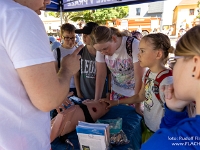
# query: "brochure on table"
93, 136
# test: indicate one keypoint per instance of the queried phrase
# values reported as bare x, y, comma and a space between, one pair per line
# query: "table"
130, 125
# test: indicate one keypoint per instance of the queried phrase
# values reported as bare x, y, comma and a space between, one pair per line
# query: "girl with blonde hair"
154, 50
177, 130
112, 52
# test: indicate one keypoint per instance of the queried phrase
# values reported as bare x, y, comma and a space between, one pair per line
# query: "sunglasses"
172, 61
68, 38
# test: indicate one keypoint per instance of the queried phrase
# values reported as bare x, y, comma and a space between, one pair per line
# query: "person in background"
181, 33
124, 66
125, 32
78, 40
29, 84
68, 47
85, 79
137, 35
154, 50
177, 130
51, 41
55, 45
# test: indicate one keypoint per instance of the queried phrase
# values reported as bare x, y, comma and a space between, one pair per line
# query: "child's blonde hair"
103, 34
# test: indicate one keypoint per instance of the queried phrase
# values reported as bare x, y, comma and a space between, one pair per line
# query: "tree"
66, 16
99, 16
198, 5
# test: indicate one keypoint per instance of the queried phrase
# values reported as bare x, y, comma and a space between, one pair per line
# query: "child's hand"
171, 101
109, 102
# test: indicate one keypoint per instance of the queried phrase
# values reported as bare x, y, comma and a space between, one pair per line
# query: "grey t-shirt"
88, 75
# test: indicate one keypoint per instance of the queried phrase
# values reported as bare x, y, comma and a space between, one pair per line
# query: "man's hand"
171, 101
71, 62
66, 102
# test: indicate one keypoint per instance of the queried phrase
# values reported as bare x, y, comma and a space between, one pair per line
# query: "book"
93, 136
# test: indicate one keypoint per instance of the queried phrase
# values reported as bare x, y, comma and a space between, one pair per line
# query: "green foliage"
198, 5
99, 16
65, 15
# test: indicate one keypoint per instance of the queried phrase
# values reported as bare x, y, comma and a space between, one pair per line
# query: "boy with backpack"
68, 47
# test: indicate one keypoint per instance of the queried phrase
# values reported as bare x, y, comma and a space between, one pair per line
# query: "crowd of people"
114, 67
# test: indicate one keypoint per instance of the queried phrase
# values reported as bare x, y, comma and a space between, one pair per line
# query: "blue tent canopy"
77, 5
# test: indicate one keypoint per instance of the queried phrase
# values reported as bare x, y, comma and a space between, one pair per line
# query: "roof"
156, 7
188, 2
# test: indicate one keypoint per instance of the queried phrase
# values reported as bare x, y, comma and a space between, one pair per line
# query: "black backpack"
58, 56
129, 42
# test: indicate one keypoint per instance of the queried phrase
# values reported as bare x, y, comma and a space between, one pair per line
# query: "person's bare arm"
109, 85
47, 89
138, 73
56, 66
101, 72
77, 84
137, 98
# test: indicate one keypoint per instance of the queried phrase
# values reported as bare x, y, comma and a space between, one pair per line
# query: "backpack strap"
58, 56
162, 75
81, 53
129, 42
147, 76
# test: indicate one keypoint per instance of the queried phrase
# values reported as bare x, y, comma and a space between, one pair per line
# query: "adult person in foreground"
29, 84
178, 131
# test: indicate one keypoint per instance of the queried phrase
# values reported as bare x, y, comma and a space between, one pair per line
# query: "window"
191, 12
138, 11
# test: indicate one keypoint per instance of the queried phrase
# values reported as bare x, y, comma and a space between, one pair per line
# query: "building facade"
51, 24
184, 16
162, 10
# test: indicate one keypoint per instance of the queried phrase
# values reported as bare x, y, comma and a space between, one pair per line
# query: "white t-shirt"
121, 67
64, 52
23, 42
153, 111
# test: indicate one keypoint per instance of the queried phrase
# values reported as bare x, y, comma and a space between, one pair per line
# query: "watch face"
85, 147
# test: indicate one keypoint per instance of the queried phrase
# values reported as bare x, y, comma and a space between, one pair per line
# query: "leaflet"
93, 136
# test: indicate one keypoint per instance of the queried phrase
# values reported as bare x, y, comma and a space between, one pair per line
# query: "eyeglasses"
69, 38
172, 61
